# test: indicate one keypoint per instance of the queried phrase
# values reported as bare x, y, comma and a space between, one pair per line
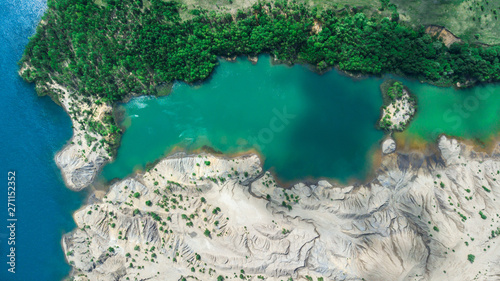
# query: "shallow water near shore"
472, 113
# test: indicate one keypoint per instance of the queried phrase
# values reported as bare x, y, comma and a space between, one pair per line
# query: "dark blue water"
32, 130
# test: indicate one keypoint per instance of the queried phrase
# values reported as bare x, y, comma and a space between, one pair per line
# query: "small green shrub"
483, 216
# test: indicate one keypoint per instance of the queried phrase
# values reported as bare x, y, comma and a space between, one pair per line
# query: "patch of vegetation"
286, 205
483, 216
472, 20
155, 216
471, 258
395, 91
216, 211
385, 123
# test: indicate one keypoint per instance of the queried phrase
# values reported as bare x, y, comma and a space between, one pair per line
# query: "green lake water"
472, 113
303, 124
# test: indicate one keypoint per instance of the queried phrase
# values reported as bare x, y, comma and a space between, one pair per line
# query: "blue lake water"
32, 130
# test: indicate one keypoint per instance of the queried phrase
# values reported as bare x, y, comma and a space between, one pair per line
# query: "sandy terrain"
200, 217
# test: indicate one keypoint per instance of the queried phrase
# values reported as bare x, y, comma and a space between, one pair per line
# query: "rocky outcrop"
388, 146
78, 172
423, 217
253, 59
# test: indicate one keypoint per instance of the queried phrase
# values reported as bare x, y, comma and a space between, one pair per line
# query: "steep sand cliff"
88, 150
202, 217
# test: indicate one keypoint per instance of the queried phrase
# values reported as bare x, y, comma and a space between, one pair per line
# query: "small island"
399, 106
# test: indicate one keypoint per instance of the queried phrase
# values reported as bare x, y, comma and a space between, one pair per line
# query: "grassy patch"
465, 19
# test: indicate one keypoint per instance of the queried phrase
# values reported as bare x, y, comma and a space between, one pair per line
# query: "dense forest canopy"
118, 48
